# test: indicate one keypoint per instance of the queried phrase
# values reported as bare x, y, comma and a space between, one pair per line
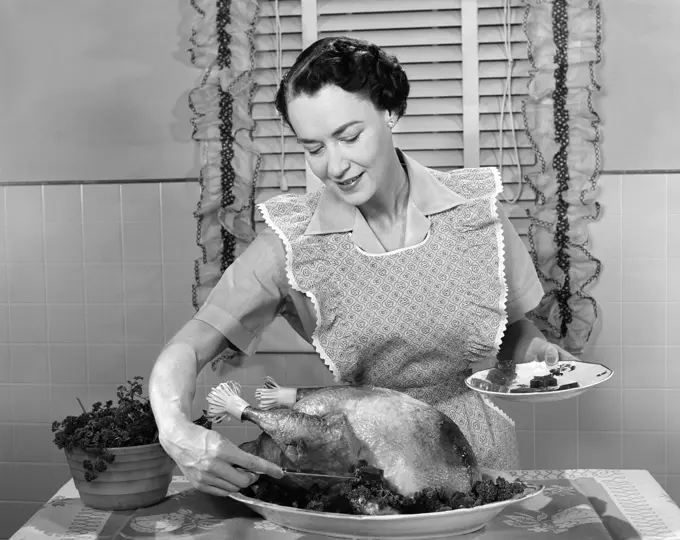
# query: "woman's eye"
352, 139
315, 151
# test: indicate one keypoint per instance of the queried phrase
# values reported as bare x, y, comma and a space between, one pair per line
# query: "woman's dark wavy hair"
354, 65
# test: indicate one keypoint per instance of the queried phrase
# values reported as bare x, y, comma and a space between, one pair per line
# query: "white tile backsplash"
26, 283
644, 410
643, 323
599, 450
600, 410
673, 193
65, 283
644, 367
29, 363
4, 287
642, 193
645, 235
68, 363
112, 300
142, 242
644, 280
63, 203
64, 242
104, 283
673, 323
66, 323
103, 243
674, 237
101, 204
144, 323
673, 279
556, 450
27, 323
4, 323
645, 450
141, 202
143, 283
105, 323
25, 242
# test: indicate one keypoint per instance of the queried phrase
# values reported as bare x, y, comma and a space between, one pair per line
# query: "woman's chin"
355, 197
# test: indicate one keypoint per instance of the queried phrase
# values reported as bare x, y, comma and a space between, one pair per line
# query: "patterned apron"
414, 319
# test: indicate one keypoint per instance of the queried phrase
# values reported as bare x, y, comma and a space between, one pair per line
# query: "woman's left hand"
540, 350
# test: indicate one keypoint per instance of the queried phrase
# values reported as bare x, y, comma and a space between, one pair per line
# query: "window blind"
275, 53
427, 37
503, 142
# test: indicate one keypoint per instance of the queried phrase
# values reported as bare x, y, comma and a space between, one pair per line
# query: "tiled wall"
94, 279
631, 421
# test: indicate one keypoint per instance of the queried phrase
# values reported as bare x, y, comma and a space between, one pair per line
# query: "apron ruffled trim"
294, 284
500, 411
498, 181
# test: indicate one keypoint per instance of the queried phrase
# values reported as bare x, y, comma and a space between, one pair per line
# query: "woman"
400, 276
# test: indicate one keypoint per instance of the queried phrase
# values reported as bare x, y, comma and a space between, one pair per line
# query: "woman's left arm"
523, 341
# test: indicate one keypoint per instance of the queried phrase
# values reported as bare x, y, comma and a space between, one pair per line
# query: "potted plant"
113, 452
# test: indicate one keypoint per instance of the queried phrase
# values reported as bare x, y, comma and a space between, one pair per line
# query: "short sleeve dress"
415, 319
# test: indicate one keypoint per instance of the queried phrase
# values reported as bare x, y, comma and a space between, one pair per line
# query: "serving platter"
572, 378
397, 527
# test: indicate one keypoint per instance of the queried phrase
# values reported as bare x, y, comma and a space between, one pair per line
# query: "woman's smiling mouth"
350, 183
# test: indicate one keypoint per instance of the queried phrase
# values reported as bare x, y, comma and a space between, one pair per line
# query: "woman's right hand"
208, 460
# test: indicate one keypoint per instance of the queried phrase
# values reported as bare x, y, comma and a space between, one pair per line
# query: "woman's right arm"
241, 305
205, 457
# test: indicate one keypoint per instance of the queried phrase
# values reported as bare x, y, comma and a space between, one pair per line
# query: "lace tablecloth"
624, 504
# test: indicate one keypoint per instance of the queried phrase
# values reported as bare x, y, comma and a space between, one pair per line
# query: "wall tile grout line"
9, 308
43, 203
621, 438
163, 276
533, 414
128, 375
84, 286
578, 431
665, 337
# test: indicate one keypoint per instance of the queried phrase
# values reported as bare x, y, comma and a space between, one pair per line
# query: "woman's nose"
337, 164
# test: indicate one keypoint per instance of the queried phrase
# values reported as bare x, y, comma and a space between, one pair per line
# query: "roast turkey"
337, 429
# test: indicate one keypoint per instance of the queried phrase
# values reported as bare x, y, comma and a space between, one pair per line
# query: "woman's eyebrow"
335, 133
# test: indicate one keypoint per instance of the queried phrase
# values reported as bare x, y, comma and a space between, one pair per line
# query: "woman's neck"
388, 205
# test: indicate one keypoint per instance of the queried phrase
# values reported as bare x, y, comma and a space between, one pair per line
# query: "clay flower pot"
138, 477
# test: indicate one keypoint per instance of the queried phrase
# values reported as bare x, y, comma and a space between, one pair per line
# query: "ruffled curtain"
564, 39
222, 45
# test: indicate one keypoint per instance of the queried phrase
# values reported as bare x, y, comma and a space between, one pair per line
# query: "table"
637, 508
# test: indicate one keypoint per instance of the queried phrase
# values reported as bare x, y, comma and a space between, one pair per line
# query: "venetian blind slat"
342, 7
496, 132
426, 38
268, 126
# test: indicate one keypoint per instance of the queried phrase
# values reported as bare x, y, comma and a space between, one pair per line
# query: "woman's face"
347, 142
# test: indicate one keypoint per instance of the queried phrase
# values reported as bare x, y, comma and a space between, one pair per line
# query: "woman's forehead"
328, 110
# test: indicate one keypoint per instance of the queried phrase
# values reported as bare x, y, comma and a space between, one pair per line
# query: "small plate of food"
537, 382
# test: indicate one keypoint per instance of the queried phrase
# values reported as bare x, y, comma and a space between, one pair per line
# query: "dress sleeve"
250, 293
524, 287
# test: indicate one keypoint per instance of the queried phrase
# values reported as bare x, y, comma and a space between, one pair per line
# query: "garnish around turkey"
369, 494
